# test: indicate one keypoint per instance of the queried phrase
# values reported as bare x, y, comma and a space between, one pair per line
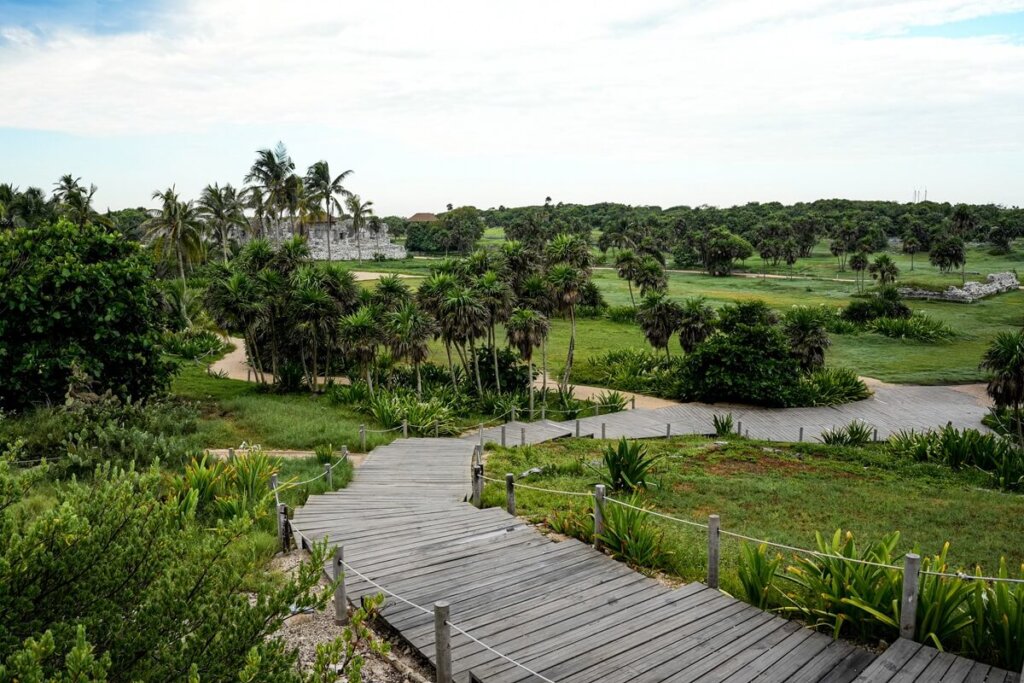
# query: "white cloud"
734, 81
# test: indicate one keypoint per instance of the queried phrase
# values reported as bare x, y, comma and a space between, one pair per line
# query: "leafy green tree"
457, 230
626, 264
409, 331
948, 253
650, 276
884, 269
808, 338
76, 302
527, 330
659, 317
324, 187
696, 323
360, 337
222, 209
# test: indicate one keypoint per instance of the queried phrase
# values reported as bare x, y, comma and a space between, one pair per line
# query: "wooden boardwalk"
891, 409
563, 609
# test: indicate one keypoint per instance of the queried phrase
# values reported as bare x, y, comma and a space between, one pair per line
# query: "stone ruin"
996, 283
344, 243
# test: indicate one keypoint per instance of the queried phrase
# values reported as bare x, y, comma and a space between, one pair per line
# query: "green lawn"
784, 495
234, 411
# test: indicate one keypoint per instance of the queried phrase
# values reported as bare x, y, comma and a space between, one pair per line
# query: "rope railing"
424, 610
586, 494
972, 577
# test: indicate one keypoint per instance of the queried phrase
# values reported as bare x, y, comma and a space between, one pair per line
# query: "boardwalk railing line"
588, 494
965, 576
293, 484
412, 604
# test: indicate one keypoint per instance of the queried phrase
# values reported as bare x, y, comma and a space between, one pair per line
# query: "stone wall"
996, 283
344, 244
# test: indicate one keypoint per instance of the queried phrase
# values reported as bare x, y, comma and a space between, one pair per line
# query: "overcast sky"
486, 103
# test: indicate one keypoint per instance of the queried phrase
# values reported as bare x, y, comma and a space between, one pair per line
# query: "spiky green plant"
627, 466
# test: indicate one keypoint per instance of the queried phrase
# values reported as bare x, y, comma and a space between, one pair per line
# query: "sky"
465, 102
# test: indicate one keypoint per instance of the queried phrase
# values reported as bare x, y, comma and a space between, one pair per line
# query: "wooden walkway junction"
562, 611
891, 409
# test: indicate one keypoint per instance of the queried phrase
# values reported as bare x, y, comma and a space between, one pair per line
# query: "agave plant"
627, 466
757, 571
723, 424
630, 534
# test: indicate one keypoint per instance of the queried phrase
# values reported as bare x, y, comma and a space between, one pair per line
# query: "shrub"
621, 314
630, 535
959, 449
356, 394
884, 303
324, 454
193, 344
833, 386
574, 522
757, 572
626, 466
997, 634
723, 424
626, 370
610, 402
80, 307
918, 327
856, 433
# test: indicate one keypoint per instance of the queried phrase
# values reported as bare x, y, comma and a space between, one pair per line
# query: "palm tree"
626, 265
270, 173
409, 332
650, 276
391, 293
911, 245
1004, 358
859, 263
566, 283
571, 249
293, 199
78, 206
696, 323
358, 211
526, 329
464, 320
496, 296
535, 293
884, 269
316, 315
808, 338
176, 229
65, 187
659, 318
324, 187
431, 296
222, 209
233, 301
358, 334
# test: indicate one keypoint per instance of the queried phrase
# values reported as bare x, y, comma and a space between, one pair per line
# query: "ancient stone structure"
996, 283
345, 245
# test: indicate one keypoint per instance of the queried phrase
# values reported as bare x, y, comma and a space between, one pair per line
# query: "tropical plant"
359, 335
268, 180
526, 330
757, 572
833, 386
696, 322
884, 269
723, 424
857, 433
359, 212
659, 317
324, 187
627, 466
566, 282
626, 265
176, 230
808, 338
610, 401
1004, 360
409, 331
497, 297
918, 327
630, 535
222, 209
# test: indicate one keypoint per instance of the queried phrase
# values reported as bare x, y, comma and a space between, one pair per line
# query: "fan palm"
358, 334
884, 269
359, 212
859, 263
650, 276
659, 318
496, 296
571, 249
409, 332
808, 337
324, 187
391, 293
315, 314
626, 265
176, 230
566, 283
696, 323
222, 208
431, 296
1004, 358
526, 329
464, 320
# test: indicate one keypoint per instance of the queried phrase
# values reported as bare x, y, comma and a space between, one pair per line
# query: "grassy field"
233, 411
783, 494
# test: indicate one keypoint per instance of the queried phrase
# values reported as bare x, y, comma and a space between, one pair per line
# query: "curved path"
562, 611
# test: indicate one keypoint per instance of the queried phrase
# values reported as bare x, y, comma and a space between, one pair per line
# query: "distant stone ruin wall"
996, 283
344, 244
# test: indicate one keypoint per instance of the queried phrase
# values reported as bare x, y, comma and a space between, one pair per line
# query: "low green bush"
621, 314
1002, 458
883, 303
627, 466
723, 424
193, 344
833, 386
856, 433
631, 535
918, 327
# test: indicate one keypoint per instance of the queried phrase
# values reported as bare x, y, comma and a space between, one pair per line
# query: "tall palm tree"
566, 282
326, 188
359, 212
316, 316
526, 329
222, 208
571, 249
270, 173
696, 323
431, 296
1004, 358
496, 296
911, 245
77, 206
659, 318
650, 276
626, 265
293, 199
409, 331
859, 264
176, 230
359, 336
535, 292
808, 338
464, 320
65, 187
884, 269
391, 293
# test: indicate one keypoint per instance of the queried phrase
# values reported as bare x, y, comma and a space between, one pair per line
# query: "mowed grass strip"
783, 493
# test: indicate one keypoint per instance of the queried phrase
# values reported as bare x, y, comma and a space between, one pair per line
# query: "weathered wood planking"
563, 609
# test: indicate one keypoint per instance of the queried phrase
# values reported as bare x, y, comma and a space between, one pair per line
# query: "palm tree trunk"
494, 354
476, 368
629, 283
369, 381
544, 367
451, 367
181, 274
329, 229
315, 359
529, 367
224, 241
572, 347
419, 382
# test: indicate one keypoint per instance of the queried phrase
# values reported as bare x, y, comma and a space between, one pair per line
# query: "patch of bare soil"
305, 631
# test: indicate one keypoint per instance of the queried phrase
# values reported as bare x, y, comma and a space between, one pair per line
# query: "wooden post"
476, 456
405, 429
478, 485
908, 605
231, 454
746, 435
876, 434
598, 515
801, 434
543, 411
340, 601
502, 436
282, 527
510, 493
513, 413
739, 427
603, 430
668, 429
632, 403
522, 436
442, 643
577, 427
273, 482
362, 438
713, 554
481, 436
329, 474
344, 452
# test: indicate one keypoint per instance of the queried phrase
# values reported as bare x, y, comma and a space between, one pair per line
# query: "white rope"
382, 431
656, 513
537, 488
805, 551
972, 577
412, 604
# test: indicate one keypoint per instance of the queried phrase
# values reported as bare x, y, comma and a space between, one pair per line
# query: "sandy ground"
305, 631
